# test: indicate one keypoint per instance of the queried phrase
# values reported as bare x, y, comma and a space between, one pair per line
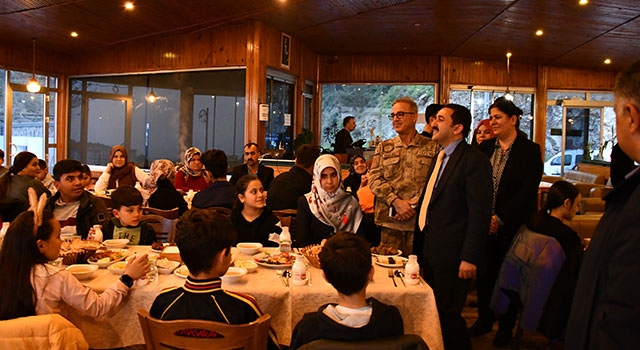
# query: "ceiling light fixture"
74, 34
607, 61
583, 2
128, 5
539, 32
151, 96
508, 94
32, 85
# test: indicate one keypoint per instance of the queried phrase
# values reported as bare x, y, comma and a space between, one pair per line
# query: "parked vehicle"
571, 159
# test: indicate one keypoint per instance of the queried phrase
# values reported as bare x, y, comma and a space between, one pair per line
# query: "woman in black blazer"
517, 170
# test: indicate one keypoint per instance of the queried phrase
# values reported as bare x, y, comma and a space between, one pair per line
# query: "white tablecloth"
286, 305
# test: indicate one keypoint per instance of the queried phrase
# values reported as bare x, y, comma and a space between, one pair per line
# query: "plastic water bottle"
98, 234
412, 271
285, 240
299, 271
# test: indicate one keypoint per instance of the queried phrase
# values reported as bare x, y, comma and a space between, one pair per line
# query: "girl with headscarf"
482, 132
120, 171
191, 175
14, 184
327, 209
158, 191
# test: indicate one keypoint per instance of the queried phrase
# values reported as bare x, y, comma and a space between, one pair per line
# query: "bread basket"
312, 253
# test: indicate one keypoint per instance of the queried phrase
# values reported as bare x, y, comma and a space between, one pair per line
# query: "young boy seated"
346, 264
204, 239
75, 209
126, 222
221, 193
86, 171
46, 178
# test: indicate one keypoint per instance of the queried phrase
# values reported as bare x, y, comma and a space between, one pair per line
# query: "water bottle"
299, 271
412, 271
285, 240
97, 236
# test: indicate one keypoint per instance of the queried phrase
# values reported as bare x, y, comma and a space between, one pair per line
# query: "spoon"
400, 275
286, 274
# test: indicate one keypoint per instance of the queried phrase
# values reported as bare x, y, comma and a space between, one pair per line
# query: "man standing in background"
343, 137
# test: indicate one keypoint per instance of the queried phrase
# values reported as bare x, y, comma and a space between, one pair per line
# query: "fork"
400, 276
392, 278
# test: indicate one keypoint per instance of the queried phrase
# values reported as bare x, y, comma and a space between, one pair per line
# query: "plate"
159, 250
117, 268
116, 243
117, 255
397, 254
182, 271
261, 259
384, 261
166, 266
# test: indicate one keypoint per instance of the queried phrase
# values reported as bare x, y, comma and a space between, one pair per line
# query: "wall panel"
379, 69
580, 79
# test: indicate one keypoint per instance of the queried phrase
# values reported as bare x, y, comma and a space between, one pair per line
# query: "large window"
369, 104
201, 109
28, 120
478, 100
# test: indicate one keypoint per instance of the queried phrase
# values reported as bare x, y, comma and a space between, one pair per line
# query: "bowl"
234, 274
248, 265
116, 243
82, 271
117, 268
249, 248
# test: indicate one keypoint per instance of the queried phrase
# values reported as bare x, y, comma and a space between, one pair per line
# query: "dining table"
285, 303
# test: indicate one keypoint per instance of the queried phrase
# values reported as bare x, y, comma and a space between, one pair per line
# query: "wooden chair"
162, 334
169, 214
164, 228
221, 210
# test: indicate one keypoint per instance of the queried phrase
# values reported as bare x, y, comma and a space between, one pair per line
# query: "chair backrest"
164, 228
169, 214
221, 210
402, 342
160, 334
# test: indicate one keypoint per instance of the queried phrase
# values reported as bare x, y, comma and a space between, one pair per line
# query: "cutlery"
286, 274
279, 273
400, 275
392, 278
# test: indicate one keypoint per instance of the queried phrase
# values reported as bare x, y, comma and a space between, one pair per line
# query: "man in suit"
252, 166
454, 222
343, 137
287, 187
606, 307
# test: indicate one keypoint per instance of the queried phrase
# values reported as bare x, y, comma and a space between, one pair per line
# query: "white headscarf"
339, 209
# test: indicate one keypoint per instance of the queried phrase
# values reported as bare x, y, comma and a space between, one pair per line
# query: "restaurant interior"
161, 76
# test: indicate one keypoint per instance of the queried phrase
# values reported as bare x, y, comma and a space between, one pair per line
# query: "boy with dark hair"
47, 180
220, 193
346, 264
287, 187
126, 222
86, 172
204, 239
75, 209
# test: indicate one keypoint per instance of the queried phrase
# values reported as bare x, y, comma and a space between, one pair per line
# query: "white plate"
274, 266
169, 269
182, 271
384, 261
117, 268
106, 264
397, 254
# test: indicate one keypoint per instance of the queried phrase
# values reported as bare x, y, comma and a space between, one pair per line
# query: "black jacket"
385, 322
92, 211
166, 197
257, 230
265, 174
287, 187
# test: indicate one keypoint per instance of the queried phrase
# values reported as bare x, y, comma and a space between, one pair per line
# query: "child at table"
86, 178
126, 222
204, 239
346, 264
38, 288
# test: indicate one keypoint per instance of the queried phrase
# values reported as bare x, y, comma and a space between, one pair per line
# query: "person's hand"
404, 210
109, 168
364, 180
137, 266
495, 225
92, 234
467, 270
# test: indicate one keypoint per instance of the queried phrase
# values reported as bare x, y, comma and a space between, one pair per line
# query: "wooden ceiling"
574, 35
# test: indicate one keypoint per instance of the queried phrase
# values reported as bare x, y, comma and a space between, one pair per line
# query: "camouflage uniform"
399, 171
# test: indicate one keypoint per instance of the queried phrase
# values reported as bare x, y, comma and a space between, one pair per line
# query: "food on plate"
106, 256
165, 263
283, 258
157, 245
249, 265
384, 250
77, 250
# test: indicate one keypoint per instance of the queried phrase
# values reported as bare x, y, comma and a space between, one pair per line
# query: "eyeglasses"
400, 115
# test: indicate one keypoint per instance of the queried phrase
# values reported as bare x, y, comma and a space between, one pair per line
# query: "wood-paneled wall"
379, 69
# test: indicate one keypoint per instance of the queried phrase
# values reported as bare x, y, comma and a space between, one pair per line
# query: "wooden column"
445, 82
540, 113
256, 85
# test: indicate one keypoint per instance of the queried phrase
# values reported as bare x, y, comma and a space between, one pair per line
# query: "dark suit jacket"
343, 141
265, 174
517, 197
287, 187
606, 306
459, 212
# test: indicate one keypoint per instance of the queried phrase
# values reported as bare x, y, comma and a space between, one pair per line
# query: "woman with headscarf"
482, 132
120, 171
191, 176
14, 184
158, 191
358, 169
327, 209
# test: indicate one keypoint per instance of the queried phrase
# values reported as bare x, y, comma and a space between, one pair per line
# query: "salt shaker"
97, 236
412, 271
299, 270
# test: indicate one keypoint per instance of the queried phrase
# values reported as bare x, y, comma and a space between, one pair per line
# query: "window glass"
279, 127
566, 95
595, 96
370, 105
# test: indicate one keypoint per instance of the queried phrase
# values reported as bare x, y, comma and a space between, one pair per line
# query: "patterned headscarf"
159, 168
188, 154
339, 209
